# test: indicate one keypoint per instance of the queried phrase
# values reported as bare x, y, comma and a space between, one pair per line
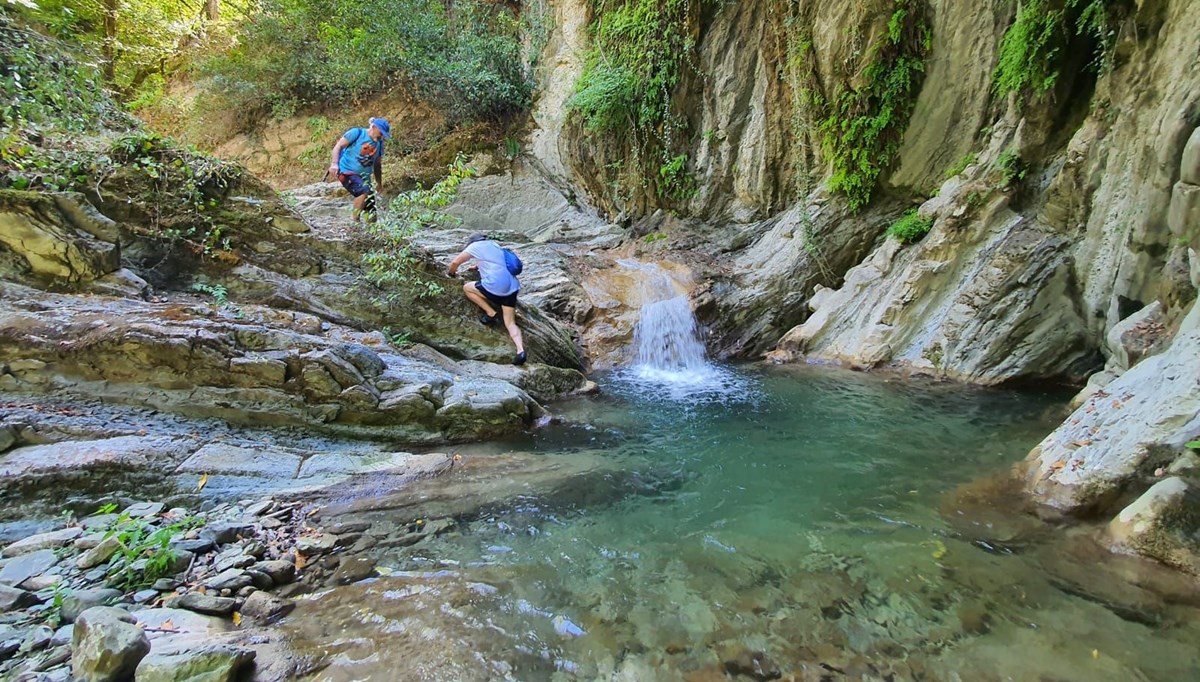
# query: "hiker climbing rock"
496, 291
357, 155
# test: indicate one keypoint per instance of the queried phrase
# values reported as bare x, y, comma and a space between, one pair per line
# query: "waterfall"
669, 357
666, 338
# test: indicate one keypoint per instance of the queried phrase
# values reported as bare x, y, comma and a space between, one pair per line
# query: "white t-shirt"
493, 273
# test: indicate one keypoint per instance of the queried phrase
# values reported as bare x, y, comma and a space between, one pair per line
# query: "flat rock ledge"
261, 366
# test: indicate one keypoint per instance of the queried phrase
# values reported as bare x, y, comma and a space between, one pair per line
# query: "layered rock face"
289, 336
1064, 226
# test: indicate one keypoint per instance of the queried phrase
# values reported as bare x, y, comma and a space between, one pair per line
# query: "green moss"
1033, 48
640, 51
910, 227
862, 127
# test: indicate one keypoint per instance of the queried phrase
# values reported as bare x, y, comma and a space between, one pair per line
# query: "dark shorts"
354, 184
509, 300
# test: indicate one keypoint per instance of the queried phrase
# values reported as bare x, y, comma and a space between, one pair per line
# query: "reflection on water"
803, 532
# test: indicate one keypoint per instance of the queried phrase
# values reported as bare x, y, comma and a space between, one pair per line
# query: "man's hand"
333, 169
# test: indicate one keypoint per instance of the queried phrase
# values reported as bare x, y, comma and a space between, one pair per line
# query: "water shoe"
520, 359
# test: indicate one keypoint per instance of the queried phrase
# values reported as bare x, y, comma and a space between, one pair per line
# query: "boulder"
53, 249
106, 645
1145, 415
1159, 524
208, 664
1141, 334
315, 544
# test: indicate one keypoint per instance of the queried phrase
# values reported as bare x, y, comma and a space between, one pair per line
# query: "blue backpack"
513, 262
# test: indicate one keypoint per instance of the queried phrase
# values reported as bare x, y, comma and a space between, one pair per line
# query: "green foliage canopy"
295, 53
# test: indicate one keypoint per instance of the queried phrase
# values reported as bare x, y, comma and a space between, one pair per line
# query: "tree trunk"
212, 9
109, 49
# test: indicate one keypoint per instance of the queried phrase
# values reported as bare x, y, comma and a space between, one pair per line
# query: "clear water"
807, 523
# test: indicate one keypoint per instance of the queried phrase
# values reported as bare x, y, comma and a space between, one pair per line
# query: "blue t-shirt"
359, 156
493, 272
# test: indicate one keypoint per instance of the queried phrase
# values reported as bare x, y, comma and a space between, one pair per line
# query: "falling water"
669, 355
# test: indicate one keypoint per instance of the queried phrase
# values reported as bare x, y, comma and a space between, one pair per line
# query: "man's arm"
458, 261
379, 170
341, 144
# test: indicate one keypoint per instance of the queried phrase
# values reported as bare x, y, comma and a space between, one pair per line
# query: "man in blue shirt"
357, 154
496, 291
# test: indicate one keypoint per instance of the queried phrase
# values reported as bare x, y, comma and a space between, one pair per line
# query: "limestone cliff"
1065, 219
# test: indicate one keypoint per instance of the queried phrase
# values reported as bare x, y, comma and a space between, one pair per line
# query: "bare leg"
514, 332
479, 299
359, 201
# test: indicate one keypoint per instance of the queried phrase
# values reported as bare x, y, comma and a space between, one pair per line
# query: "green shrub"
910, 227
41, 85
302, 52
1012, 167
640, 52
861, 129
391, 264
1032, 50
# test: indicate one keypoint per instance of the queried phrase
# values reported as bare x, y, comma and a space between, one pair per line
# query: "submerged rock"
1160, 525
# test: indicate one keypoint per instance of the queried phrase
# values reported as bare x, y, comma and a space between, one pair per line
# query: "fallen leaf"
237, 618
940, 551
1082, 442
1058, 465
203, 482
168, 625
300, 561
1095, 653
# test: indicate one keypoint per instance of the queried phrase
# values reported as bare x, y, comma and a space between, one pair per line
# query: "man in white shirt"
496, 289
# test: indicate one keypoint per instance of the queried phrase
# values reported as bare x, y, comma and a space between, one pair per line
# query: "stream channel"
761, 523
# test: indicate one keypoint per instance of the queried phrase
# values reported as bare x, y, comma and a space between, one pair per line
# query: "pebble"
232, 579
145, 596
260, 508
165, 584
142, 510
204, 603
37, 639
316, 544
62, 636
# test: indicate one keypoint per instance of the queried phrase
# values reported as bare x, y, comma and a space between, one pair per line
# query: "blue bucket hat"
383, 126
